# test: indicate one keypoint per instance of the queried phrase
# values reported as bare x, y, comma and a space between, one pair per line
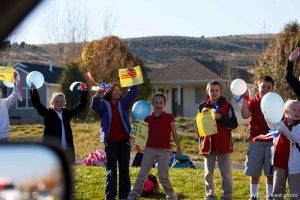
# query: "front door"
177, 110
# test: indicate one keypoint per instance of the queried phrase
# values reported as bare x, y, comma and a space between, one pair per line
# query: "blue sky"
139, 18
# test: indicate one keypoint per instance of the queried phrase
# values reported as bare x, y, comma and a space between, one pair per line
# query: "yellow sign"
131, 77
206, 123
7, 74
139, 131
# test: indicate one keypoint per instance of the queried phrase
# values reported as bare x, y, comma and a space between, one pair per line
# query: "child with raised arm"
161, 127
287, 153
5, 104
218, 146
292, 80
57, 128
115, 133
259, 153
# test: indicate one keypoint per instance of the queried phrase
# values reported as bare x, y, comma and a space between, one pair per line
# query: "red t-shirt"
282, 152
257, 123
117, 130
159, 130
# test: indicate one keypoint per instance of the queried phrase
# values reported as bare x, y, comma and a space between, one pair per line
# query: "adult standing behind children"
161, 126
5, 104
115, 133
218, 146
57, 128
259, 152
290, 78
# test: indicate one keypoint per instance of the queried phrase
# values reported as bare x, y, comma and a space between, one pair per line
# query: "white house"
184, 85
23, 111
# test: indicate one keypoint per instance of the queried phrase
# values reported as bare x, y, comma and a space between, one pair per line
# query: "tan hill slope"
241, 51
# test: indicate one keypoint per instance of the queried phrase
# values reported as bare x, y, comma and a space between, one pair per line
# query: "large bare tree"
68, 29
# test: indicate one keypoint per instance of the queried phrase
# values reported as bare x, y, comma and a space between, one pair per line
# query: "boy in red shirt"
218, 146
259, 152
161, 126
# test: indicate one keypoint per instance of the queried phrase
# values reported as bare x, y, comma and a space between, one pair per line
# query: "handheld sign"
139, 131
7, 74
206, 123
131, 77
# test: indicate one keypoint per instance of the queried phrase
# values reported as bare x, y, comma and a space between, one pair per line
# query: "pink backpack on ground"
97, 158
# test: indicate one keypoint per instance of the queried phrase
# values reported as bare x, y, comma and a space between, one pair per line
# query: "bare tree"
109, 23
68, 28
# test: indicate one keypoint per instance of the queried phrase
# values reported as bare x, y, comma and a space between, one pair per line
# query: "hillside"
240, 51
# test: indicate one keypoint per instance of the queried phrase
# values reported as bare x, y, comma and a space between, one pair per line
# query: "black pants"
117, 152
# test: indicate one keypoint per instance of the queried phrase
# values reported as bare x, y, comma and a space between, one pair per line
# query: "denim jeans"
117, 152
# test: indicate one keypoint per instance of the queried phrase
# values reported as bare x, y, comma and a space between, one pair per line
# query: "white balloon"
238, 87
272, 106
73, 85
36, 78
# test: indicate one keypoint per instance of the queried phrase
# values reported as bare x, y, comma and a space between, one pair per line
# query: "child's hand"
32, 87
217, 116
246, 94
205, 109
132, 140
99, 94
295, 54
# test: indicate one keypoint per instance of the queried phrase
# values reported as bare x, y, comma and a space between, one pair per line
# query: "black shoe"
253, 198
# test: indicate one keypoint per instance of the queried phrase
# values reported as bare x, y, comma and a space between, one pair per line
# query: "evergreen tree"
71, 74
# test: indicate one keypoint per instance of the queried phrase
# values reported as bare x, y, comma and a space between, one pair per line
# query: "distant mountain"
238, 51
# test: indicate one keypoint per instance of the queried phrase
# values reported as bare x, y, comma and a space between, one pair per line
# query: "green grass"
187, 183
86, 138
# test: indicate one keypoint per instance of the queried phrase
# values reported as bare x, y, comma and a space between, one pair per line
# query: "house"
184, 85
22, 111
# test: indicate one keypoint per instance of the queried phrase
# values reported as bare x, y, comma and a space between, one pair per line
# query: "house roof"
50, 76
189, 71
222, 70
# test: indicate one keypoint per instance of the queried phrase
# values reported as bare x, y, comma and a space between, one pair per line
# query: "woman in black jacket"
292, 80
57, 130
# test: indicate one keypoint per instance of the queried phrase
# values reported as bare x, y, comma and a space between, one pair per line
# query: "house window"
199, 94
26, 101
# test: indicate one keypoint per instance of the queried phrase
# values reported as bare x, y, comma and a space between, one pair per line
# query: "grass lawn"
86, 138
188, 183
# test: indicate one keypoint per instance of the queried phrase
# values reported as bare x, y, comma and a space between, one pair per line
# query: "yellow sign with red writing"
131, 77
139, 131
7, 74
206, 123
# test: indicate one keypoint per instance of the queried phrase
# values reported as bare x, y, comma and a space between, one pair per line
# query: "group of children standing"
115, 133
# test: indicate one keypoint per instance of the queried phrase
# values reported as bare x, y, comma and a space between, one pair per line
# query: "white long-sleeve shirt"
5, 104
294, 136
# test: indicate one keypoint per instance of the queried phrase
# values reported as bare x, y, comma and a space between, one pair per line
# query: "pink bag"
97, 158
